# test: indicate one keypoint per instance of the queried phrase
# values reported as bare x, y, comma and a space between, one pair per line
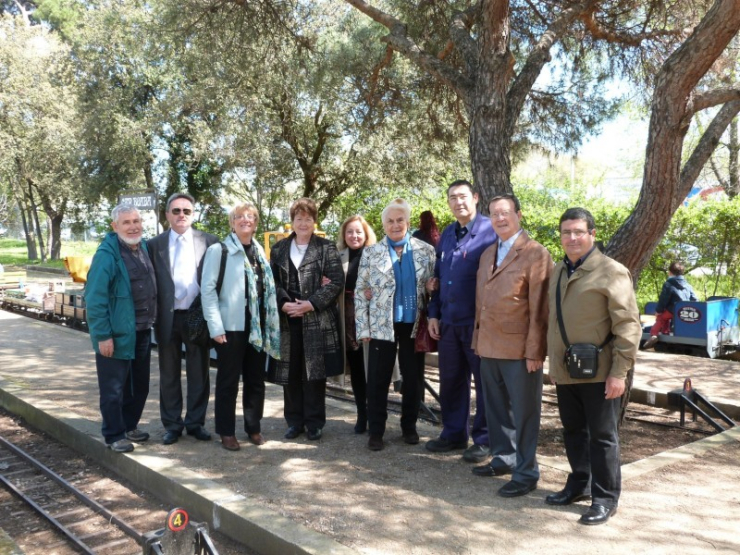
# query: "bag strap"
560, 318
222, 269
563, 335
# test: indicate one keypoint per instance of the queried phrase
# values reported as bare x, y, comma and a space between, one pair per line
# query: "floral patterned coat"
322, 342
374, 318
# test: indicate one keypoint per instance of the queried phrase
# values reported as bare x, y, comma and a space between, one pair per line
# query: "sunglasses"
186, 211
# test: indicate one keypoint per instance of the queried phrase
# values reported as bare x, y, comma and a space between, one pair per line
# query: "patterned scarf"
404, 299
271, 342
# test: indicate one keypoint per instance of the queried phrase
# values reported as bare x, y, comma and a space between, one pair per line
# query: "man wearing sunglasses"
177, 257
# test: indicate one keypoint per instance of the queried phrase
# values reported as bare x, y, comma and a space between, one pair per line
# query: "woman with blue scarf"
243, 321
395, 270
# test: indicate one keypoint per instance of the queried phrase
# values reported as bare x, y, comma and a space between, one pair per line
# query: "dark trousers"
457, 363
513, 408
591, 441
238, 358
380, 369
124, 387
197, 360
356, 362
304, 400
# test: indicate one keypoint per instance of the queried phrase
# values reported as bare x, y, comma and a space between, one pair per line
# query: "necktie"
460, 232
181, 288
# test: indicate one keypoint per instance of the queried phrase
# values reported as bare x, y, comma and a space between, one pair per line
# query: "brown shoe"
230, 443
256, 439
650, 343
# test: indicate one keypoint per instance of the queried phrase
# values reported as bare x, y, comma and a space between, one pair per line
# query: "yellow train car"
272, 237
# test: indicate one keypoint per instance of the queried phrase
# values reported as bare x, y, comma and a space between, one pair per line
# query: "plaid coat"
322, 342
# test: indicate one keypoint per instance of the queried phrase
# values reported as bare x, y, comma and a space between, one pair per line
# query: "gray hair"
397, 204
124, 208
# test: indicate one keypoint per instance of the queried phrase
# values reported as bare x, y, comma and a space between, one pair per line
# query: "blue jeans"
124, 387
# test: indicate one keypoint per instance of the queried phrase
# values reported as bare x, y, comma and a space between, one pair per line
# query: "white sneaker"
650, 343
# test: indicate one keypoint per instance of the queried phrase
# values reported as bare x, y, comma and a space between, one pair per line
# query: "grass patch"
13, 253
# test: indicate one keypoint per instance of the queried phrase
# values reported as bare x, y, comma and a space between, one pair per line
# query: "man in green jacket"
121, 300
597, 307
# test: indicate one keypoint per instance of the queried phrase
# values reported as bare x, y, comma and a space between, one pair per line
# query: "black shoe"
293, 432
516, 489
476, 453
597, 514
441, 445
137, 436
170, 437
200, 433
375, 443
566, 497
489, 470
412, 437
361, 425
314, 435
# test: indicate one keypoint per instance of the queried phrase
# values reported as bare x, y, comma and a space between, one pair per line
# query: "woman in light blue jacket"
243, 322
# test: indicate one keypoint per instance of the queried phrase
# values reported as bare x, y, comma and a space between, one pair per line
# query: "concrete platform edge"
260, 529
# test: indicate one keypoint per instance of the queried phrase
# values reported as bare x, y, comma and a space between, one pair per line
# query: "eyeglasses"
504, 214
177, 211
577, 233
246, 217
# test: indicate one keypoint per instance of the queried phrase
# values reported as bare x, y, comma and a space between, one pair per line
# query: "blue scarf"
404, 299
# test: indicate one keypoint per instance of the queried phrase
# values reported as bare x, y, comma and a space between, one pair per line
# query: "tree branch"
599, 32
713, 98
399, 40
536, 60
704, 149
460, 34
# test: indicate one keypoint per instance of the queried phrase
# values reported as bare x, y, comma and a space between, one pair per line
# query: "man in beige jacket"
510, 337
597, 299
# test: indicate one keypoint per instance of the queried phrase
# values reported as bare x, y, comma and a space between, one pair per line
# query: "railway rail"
65, 506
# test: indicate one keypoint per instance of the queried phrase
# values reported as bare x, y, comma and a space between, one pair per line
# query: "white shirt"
184, 269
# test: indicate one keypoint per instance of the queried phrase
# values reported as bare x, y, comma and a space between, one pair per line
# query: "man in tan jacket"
597, 299
510, 337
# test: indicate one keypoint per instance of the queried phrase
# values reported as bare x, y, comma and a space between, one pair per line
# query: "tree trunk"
489, 140
35, 215
56, 237
28, 231
734, 170
671, 114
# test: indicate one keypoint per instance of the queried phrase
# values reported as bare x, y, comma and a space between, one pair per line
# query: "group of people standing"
488, 293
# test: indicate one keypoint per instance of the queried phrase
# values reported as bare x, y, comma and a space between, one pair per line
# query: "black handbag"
196, 321
581, 359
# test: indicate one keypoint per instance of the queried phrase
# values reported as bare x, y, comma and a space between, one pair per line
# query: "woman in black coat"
310, 340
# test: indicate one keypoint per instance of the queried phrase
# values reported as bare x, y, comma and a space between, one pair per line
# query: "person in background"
177, 258
244, 324
395, 270
427, 231
309, 280
121, 300
451, 317
354, 235
675, 289
511, 338
598, 307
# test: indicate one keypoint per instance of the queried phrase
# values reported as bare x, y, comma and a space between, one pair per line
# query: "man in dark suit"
177, 257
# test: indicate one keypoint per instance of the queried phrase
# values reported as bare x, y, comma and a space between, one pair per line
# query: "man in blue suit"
451, 319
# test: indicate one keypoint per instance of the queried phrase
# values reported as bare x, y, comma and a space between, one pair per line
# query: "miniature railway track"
65, 507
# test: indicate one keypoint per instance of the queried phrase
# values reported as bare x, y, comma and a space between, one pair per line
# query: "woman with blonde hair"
243, 321
354, 235
395, 270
